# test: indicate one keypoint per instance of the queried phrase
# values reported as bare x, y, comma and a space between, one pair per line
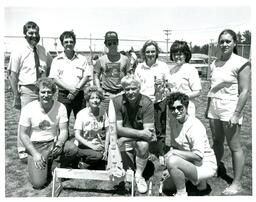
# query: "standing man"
70, 71
27, 64
110, 69
135, 127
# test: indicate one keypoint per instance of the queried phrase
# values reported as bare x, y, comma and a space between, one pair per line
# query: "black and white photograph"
127, 99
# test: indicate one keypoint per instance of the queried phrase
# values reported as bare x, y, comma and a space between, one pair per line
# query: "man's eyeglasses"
180, 108
150, 52
114, 43
68, 42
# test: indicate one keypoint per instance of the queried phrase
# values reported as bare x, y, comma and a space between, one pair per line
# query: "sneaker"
232, 190
82, 165
181, 194
23, 157
141, 184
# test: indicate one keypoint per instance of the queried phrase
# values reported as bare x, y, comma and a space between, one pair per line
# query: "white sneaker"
180, 194
141, 184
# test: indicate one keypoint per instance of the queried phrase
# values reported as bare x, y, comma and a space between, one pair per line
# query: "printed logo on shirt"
113, 70
44, 125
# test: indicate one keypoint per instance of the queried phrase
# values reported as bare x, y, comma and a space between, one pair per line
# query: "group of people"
154, 105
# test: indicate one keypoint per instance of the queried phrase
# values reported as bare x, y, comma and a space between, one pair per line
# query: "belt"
113, 91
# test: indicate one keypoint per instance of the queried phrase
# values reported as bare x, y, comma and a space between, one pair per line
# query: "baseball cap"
111, 36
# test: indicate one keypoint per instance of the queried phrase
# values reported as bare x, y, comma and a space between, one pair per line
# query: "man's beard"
33, 40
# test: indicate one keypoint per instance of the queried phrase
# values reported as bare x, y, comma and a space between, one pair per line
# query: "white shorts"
207, 169
223, 109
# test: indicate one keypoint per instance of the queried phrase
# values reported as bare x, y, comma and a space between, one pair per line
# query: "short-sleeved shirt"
70, 71
92, 127
147, 76
184, 79
134, 117
44, 126
191, 136
225, 78
22, 62
112, 72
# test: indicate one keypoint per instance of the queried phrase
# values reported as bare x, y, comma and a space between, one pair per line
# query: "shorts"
223, 110
206, 170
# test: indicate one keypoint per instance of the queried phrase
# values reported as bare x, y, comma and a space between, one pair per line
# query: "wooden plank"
82, 174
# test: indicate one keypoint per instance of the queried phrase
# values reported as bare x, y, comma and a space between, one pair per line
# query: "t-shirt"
184, 79
191, 136
134, 117
93, 128
224, 80
112, 72
44, 126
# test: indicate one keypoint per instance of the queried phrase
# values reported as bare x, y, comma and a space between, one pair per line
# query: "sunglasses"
150, 51
180, 108
114, 43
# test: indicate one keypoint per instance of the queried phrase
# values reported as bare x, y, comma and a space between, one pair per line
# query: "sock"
182, 191
140, 165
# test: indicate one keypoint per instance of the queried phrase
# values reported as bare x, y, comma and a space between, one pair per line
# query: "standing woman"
230, 82
152, 74
184, 77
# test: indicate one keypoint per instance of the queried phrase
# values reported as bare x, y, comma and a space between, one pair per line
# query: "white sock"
140, 165
182, 191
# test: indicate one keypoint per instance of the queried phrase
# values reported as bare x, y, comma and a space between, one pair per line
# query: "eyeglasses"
180, 108
150, 52
114, 43
68, 42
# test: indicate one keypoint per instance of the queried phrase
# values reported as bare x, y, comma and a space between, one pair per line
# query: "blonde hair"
129, 79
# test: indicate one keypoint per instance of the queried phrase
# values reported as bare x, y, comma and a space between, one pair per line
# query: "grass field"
18, 185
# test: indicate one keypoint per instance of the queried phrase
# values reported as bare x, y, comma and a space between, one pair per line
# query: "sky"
197, 25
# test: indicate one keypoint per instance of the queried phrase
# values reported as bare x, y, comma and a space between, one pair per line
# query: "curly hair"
180, 47
93, 89
45, 82
183, 98
149, 43
67, 34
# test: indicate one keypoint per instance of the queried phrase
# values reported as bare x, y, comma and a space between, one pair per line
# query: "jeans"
39, 178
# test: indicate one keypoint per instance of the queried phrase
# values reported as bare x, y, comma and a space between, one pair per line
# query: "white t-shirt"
191, 136
44, 126
91, 126
184, 79
147, 75
224, 80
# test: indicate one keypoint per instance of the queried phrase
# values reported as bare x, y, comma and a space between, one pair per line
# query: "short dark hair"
233, 35
149, 43
45, 82
29, 25
183, 98
67, 34
93, 89
182, 47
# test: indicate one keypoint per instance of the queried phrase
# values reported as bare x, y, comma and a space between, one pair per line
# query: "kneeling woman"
190, 156
91, 127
